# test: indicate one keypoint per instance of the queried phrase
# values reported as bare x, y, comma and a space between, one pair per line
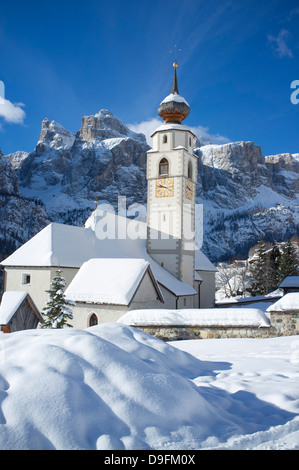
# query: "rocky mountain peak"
54, 135
104, 125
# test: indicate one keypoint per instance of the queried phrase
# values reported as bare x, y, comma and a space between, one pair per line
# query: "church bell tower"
171, 180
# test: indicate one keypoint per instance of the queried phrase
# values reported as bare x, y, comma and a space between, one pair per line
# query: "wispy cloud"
146, 128
203, 133
279, 44
12, 112
293, 13
206, 137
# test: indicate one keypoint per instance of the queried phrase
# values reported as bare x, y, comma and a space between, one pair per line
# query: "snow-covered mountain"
244, 194
68, 172
21, 218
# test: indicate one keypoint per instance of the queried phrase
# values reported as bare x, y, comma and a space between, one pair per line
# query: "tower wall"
171, 202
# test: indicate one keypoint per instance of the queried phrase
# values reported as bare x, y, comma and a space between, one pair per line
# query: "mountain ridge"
244, 194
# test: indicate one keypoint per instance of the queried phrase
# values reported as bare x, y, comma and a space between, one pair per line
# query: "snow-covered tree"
232, 279
57, 311
288, 265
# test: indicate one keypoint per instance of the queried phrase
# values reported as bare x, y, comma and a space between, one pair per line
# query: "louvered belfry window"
163, 167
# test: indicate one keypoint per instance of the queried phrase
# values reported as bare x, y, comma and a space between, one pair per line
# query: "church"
159, 268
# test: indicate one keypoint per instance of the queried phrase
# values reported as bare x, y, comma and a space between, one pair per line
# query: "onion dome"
174, 108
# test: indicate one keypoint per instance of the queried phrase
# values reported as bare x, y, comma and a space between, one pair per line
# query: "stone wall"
285, 323
282, 324
175, 333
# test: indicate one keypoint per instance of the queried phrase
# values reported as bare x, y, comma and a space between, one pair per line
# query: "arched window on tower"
163, 167
93, 320
165, 139
190, 170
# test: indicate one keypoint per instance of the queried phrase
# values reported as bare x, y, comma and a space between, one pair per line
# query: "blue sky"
63, 60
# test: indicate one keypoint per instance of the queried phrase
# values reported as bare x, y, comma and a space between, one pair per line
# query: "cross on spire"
175, 54
175, 65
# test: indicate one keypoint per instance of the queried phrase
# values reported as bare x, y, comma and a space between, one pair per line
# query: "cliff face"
21, 218
103, 160
244, 194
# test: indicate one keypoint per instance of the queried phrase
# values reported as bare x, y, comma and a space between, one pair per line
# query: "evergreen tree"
274, 263
288, 265
57, 311
260, 270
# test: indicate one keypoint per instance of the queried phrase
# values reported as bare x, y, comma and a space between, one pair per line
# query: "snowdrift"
217, 317
114, 387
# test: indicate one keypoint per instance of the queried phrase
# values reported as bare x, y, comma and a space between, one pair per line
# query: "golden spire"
175, 66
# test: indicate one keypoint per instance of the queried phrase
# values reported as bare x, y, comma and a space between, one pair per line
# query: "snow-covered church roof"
70, 246
109, 281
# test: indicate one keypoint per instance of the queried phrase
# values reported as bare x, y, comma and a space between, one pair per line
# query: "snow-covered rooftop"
202, 263
210, 317
71, 246
11, 300
176, 127
289, 302
107, 281
290, 281
174, 97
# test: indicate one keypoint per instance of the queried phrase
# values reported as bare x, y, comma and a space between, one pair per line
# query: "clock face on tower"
188, 190
165, 187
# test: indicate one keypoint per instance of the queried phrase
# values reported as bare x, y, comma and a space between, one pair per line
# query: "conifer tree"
288, 265
274, 263
260, 270
57, 311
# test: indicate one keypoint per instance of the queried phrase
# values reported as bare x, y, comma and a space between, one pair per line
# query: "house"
18, 312
290, 284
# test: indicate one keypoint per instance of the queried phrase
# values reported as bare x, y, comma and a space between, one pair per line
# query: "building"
18, 312
106, 288
173, 273
290, 284
172, 177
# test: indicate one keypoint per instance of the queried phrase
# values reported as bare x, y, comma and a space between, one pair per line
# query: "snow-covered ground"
114, 387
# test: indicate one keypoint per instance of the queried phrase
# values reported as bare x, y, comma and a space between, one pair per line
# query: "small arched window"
190, 141
93, 320
190, 170
163, 167
164, 139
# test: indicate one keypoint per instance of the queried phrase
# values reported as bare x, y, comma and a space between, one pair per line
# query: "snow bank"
114, 387
217, 317
287, 302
